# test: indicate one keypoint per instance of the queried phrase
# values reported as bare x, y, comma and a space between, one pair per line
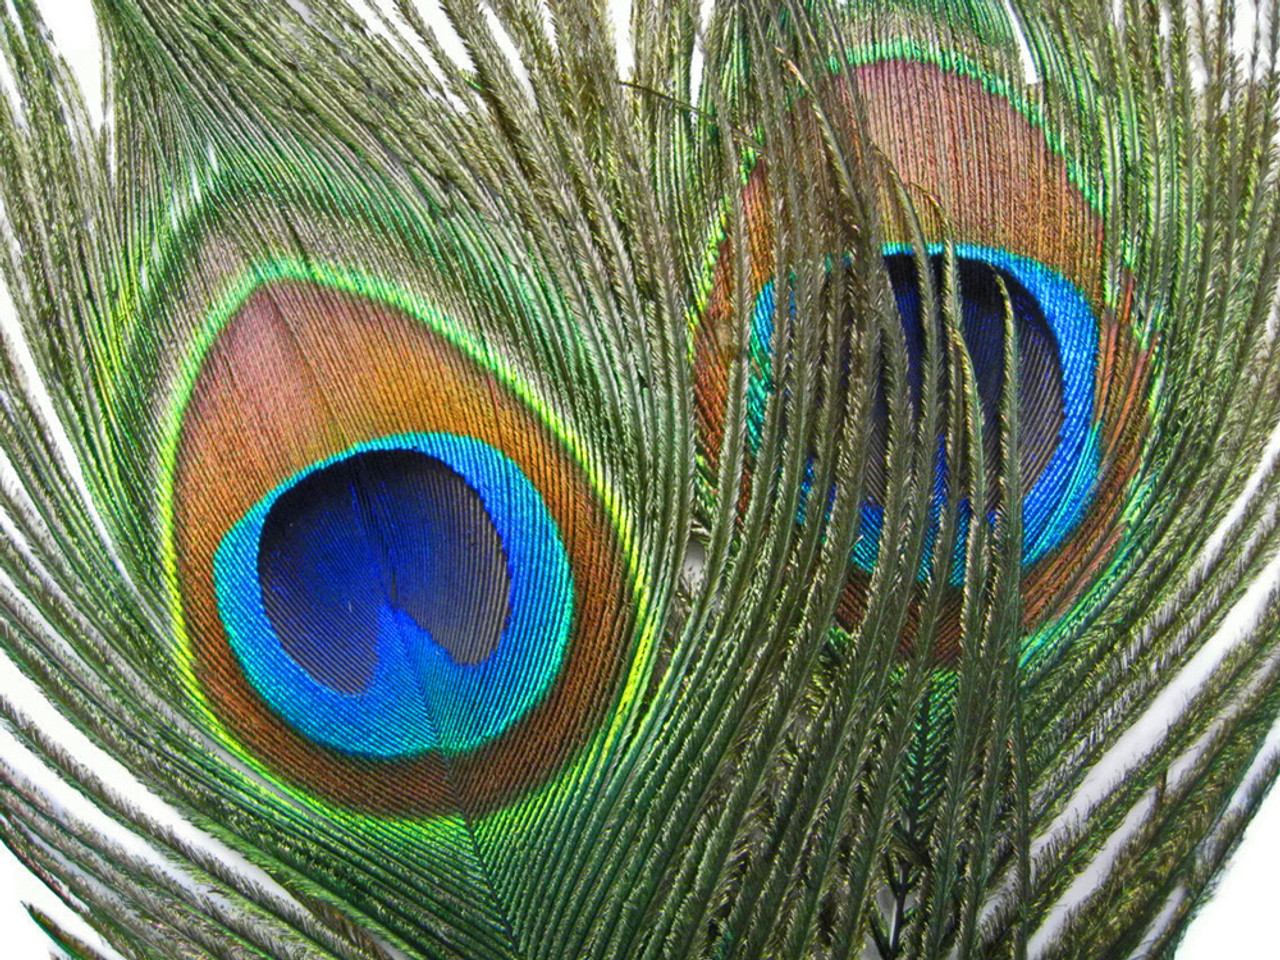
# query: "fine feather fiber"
762, 479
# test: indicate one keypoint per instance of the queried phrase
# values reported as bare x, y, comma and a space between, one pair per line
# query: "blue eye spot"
409, 595
1057, 346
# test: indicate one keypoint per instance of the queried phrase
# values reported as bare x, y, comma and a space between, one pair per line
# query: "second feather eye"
1021, 222
1057, 347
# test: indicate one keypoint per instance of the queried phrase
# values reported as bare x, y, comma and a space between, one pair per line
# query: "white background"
1238, 923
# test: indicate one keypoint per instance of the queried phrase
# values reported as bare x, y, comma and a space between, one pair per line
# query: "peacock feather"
788, 480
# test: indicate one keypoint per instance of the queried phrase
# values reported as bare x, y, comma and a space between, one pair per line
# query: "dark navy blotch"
392, 527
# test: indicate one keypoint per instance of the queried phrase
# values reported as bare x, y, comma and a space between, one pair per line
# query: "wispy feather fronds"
793, 488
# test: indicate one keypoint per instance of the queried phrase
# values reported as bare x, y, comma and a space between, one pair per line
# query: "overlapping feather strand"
750, 507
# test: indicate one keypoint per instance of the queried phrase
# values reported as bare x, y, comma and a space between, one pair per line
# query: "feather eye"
384, 560
1023, 239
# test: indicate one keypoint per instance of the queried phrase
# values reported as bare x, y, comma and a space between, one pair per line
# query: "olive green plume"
797, 487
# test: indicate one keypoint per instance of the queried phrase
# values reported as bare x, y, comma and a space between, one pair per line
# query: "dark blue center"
1057, 359
384, 527
410, 594
982, 318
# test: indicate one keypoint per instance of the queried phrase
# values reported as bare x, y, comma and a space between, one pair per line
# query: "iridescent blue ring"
418, 698
1060, 495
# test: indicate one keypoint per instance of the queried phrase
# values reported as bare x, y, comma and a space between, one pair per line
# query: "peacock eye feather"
1057, 344
1077, 442
784, 486
385, 562
408, 596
